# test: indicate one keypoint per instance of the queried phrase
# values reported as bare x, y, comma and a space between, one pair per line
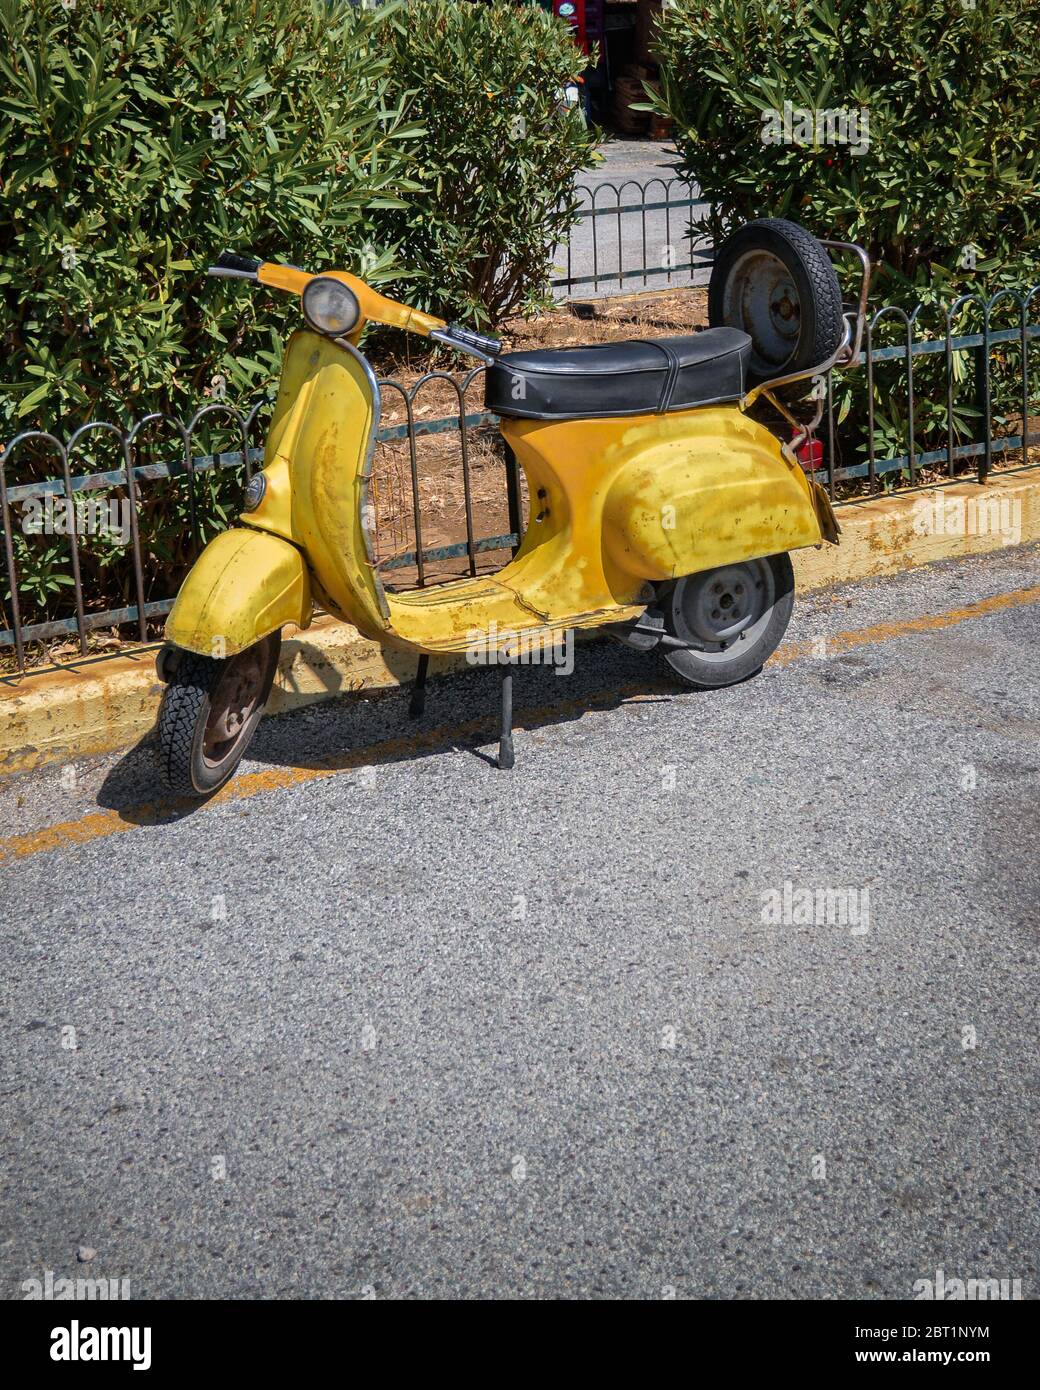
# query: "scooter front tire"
209, 714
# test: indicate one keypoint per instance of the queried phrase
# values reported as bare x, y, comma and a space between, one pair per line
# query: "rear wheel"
774, 280
209, 713
729, 620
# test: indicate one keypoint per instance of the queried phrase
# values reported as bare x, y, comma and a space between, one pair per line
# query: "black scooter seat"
638, 377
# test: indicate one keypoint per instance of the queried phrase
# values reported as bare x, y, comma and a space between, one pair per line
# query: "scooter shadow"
357, 729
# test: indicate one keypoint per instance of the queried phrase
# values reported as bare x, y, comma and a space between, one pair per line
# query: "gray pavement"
623, 243
422, 1028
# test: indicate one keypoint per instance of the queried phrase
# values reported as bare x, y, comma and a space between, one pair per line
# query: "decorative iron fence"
924, 431
641, 238
188, 466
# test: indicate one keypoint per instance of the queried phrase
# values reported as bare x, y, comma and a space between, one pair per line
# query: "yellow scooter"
659, 510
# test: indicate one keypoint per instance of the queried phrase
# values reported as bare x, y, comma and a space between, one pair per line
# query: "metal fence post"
980, 361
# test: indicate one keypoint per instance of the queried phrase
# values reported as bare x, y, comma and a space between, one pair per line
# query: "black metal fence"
979, 349
632, 235
185, 464
881, 425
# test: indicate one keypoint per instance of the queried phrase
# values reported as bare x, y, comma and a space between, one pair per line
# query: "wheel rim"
760, 297
236, 699
723, 612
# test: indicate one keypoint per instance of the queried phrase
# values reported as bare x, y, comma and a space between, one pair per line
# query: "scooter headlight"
254, 493
329, 306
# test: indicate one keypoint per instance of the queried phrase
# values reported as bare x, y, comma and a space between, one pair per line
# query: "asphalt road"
419, 1027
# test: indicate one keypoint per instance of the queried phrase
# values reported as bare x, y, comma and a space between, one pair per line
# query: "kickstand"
418, 701
505, 738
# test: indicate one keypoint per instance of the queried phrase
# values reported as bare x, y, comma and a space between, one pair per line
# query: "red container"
572, 12
810, 454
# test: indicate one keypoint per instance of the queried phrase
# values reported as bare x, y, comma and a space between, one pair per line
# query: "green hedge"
498, 158
139, 139
938, 176
946, 191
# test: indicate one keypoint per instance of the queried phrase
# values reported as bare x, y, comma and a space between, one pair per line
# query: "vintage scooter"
659, 510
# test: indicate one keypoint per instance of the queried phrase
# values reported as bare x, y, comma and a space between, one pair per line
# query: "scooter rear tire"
204, 699
747, 630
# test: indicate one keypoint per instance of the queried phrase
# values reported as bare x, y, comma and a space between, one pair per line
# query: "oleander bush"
498, 157
426, 147
910, 126
138, 138
945, 151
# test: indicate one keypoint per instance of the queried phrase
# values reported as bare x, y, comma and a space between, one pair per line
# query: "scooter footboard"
245, 585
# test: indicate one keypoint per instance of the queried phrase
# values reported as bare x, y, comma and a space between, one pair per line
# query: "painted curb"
109, 703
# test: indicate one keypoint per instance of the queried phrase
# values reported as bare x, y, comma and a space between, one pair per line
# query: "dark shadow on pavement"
364, 728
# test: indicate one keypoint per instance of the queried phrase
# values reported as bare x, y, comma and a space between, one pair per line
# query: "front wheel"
726, 622
209, 713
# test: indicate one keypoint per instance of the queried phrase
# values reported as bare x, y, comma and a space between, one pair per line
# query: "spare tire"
774, 280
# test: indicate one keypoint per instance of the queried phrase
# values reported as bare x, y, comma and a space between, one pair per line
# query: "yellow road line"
883, 632
248, 784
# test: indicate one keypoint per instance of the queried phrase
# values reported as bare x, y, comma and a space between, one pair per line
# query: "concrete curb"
108, 703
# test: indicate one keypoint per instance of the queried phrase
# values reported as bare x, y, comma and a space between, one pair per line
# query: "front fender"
244, 585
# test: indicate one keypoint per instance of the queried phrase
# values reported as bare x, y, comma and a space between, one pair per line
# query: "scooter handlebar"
293, 280
492, 346
466, 340
232, 266
374, 305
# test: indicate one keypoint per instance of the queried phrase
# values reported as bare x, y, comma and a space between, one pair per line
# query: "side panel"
618, 502
244, 585
724, 495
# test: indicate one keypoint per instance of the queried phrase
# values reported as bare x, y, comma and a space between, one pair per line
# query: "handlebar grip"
491, 346
235, 267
